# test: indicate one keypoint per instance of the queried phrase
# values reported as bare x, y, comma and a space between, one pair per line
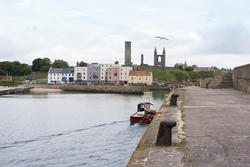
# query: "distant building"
94, 73
128, 53
124, 73
140, 77
142, 59
113, 73
60, 75
104, 71
204, 68
5, 78
159, 60
80, 74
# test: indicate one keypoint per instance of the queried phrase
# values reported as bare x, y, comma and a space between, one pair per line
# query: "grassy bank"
180, 76
10, 83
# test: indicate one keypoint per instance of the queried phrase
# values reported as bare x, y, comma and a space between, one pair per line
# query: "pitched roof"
139, 73
62, 70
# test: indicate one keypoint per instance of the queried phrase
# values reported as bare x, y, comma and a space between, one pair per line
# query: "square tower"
128, 53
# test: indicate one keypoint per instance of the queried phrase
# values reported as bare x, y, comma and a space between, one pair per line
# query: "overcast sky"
205, 33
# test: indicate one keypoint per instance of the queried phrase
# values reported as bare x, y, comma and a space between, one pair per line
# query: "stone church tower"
159, 60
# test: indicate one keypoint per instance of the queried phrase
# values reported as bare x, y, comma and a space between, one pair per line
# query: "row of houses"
99, 73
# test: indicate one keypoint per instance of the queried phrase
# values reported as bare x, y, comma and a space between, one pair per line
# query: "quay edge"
147, 153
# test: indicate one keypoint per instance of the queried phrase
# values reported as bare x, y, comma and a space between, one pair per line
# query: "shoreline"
45, 90
103, 88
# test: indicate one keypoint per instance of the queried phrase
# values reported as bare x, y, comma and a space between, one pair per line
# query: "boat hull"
134, 120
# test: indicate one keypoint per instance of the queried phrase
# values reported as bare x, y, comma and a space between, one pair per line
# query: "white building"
124, 73
80, 74
103, 71
60, 75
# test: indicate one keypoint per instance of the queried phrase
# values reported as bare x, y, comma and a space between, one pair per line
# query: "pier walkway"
4, 90
217, 127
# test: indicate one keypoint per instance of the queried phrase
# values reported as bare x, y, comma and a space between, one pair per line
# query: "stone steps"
227, 81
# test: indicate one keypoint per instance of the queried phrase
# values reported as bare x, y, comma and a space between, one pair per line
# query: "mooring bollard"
164, 137
173, 100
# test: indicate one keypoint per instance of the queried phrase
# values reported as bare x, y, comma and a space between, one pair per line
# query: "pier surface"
217, 127
216, 131
4, 90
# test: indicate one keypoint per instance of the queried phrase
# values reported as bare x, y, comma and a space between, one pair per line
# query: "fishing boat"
144, 114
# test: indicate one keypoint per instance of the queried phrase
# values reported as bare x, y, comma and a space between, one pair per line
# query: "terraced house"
113, 74
60, 75
92, 74
124, 73
140, 77
80, 74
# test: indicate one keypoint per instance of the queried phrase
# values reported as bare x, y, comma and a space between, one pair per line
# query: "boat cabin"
144, 106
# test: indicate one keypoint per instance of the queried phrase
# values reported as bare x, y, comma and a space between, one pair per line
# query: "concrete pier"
12, 90
217, 127
213, 129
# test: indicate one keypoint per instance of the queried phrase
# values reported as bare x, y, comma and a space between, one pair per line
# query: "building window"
102, 77
89, 77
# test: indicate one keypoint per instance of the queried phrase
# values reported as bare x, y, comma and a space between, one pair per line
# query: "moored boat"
144, 114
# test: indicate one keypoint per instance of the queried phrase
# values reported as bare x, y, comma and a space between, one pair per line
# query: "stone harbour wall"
104, 88
241, 78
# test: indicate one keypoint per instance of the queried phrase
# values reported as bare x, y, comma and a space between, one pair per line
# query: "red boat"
144, 114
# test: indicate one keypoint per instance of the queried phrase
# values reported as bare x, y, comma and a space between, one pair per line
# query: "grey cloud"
8, 50
231, 38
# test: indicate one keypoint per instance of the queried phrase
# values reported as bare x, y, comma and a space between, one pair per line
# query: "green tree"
60, 64
25, 69
44, 68
38, 63
14, 68
179, 75
189, 69
2, 72
179, 67
83, 64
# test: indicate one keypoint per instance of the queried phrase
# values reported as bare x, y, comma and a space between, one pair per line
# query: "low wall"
241, 78
211, 83
104, 88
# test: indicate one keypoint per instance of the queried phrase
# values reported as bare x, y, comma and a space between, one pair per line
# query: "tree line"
16, 68
180, 75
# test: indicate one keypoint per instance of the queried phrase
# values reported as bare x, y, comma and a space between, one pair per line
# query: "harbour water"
70, 129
